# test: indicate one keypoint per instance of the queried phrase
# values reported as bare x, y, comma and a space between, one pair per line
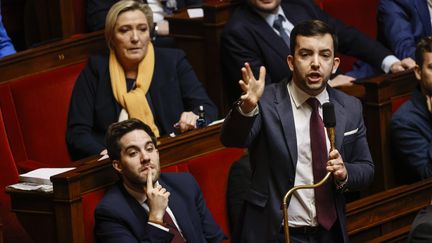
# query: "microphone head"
329, 117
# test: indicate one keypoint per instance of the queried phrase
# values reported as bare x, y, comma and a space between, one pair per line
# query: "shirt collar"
270, 17
141, 197
299, 96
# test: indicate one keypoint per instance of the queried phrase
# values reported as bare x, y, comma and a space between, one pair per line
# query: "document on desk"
195, 13
42, 176
29, 186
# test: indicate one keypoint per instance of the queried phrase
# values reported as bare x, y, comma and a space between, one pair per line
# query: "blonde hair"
121, 7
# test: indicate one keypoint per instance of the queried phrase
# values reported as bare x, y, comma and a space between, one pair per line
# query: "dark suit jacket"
271, 139
248, 38
174, 89
421, 228
411, 130
97, 11
120, 218
401, 24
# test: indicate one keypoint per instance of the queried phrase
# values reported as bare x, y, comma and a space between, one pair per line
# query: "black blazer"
248, 38
174, 89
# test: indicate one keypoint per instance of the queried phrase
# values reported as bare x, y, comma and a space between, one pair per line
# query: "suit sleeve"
412, 147
356, 154
238, 47
238, 130
79, 135
395, 28
111, 229
193, 92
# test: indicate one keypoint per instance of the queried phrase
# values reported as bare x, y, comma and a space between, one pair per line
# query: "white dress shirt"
301, 209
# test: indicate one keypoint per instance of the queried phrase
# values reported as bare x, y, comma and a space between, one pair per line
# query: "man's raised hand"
252, 88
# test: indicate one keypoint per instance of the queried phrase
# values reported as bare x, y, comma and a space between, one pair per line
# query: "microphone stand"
331, 136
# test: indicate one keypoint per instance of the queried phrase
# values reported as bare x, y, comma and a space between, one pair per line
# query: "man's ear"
336, 62
117, 166
290, 61
417, 72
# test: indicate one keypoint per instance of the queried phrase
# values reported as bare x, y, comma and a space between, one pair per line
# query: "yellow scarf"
134, 101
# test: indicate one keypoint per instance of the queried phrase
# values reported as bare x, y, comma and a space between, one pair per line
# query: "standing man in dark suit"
147, 206
258, 33
282, 127
401, 24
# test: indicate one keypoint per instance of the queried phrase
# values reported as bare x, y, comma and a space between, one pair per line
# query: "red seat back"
396, 102
211, 173
12, 230
35, 110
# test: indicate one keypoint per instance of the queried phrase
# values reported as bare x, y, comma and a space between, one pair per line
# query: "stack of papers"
42, 175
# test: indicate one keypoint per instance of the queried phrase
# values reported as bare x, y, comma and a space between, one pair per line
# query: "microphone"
329, 120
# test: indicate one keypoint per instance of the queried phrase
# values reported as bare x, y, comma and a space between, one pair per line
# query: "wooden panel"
51, 56
385, 212
377, 110
200, 39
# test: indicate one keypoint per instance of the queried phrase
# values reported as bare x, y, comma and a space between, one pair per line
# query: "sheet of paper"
42, 175
195, 13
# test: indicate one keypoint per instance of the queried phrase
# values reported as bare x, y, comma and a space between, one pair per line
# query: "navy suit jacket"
271, 139
97, 11
411, 130
174, 89
401, 24
120, 218
421, 228
248, 38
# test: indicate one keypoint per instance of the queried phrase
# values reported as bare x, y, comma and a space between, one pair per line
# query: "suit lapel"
179, 210
284, 110
267, 34
340, 118
423, 10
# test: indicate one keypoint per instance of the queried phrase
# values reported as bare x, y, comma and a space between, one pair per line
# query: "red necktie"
169, 223
324, 201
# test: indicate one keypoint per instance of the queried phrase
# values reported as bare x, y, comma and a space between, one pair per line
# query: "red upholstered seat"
396, 102
211, 173
12, 230
35, 113
89, 203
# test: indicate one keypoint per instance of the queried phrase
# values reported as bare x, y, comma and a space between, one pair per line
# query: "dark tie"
324, 201
169, 223
277, 24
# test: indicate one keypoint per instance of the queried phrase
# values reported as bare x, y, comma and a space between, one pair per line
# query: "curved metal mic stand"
331, 135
